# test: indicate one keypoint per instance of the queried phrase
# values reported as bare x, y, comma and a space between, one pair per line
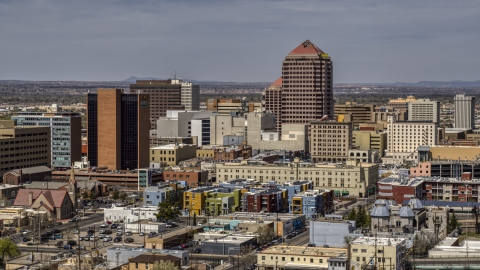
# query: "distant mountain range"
133, 79
441, 84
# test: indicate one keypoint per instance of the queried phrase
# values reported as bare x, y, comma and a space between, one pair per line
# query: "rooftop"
402, 181
170, 146
372, 241
307, 47
307, 251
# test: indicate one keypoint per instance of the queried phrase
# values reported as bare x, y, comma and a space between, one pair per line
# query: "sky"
240, 41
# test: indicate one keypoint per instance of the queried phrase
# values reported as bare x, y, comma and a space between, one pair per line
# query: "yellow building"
366, 139
382, 253
356, 113
172, 154
206, 153
284, 257
195, 200
454, 153
147, 260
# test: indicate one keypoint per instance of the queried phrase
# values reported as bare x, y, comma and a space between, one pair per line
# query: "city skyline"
242, 41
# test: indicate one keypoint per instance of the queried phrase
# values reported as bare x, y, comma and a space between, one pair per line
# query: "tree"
92, 196
167, 211
164, 265
352, 215
194, 218
85, 194
115, 195
347, 240
8, 249
264, 234
361, 217
123, 196
453, 223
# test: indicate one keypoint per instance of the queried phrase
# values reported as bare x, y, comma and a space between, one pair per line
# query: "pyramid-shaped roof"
278, 82
307, 47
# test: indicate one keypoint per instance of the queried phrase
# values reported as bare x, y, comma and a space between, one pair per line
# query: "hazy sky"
227, 40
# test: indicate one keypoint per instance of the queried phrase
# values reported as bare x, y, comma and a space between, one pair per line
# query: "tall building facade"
407, 136
424, 110
118, 129
307, 85
23, 147
168, 95
304, 92
356, 113
272, 102
464, 111
66, 132
330, 141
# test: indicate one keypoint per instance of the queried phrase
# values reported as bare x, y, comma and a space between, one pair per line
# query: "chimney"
20, 180
30, 198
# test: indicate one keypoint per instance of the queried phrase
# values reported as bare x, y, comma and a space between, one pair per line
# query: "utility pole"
78, 246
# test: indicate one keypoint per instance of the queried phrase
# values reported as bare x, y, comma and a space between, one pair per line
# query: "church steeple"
72, 188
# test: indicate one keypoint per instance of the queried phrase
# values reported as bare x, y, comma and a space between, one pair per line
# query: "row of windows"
292, 259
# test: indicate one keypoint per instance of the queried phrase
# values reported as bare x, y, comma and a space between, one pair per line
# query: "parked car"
141, 234
67, 247
311, 245
289, 236
120, 226
81, 238
129, 240
104, 225
76, 232
152, 233
119, 233
184, 245
197, 250
118, 239
56, 231
93, 238
73, 219
59, 244
26, 232
169, 226
81, 247
108, 222
102, 235
25, 239
128, 233
71, 243
107, 239
176, 248
90, 231
114, 226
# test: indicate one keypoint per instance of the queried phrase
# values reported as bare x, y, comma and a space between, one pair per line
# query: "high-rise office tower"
118, 129
168, 95
66, 134
424, 110
464, 111
272, 102
307, 84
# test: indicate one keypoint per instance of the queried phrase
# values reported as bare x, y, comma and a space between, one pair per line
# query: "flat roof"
306, 251
371, 241
399, 181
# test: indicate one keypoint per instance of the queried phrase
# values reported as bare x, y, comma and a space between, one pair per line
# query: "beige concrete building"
231, 105
172, 154
407, 136
350, 178
365, 140
223, 125
381, 253
23, 147
330, 141
424, 110
286, 257
401, 104
272, 102
358, 113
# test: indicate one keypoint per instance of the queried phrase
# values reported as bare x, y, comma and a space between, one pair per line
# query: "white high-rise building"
424, 110
190, 96
407, 136
464, 111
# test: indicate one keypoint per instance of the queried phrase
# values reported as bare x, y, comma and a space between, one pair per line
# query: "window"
263, 258
283, 259
355, 250
136, 265
146, 266
358, 259
320, 260
364, 250
380, 251
311, 260
292, 259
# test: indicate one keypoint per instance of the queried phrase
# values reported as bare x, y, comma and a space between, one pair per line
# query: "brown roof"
278, 82
150, 258
54, 197
306, 47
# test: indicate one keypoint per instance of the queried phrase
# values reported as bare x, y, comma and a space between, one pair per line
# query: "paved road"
300, 240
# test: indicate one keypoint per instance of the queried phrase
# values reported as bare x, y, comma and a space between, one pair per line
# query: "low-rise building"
154, 195
351, 178
266, 200
172, 154
192, 179
400, 188
380, 252
121, 255
229, 245
8, 193
294, 257
332, 233
56, 203
370, 139
312, 203
127, 214
147, 260
27, 175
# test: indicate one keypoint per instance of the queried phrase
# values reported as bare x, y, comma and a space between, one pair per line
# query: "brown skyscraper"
307, 83
168, 95
118, 129
272, 102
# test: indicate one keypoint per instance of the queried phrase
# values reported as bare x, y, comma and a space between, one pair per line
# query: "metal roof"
380, 211
405, 211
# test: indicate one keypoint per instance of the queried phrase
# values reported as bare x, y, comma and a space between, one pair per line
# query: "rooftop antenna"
175, 75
